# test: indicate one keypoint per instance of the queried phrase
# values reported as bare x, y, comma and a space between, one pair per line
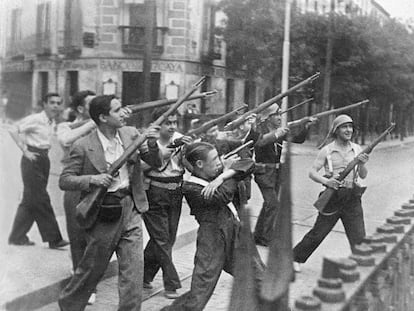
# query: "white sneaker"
297, 267
92, 299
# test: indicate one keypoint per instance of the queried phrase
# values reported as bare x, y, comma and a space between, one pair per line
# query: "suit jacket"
86, 158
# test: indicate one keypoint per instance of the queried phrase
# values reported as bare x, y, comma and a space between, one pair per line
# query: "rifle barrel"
216, 121
164, 102
327, 113
269, 102
298, 105
235, 151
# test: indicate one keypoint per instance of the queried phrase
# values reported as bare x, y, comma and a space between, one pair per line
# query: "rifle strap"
357, 150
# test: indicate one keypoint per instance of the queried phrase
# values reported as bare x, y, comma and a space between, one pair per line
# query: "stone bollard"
396, 220
389, 229
329, 290
362, 253
307, 303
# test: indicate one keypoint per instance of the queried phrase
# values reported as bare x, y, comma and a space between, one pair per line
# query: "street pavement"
29, 272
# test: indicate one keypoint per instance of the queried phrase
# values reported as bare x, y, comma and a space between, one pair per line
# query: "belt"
120, 193
270, 165
38, 150
349, 184
166, 185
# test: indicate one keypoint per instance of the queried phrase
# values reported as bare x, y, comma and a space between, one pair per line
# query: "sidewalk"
32, 277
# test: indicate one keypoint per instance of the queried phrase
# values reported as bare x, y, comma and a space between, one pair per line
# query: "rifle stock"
88, 209
327, 194
268, 103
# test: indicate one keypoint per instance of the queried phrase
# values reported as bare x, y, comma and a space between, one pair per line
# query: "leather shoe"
58, 244
147, 285
92, 299
22, 243
171, 294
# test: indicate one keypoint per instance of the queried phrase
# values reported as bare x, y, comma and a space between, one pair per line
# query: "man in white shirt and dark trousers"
346, 202
165, 198
33, 136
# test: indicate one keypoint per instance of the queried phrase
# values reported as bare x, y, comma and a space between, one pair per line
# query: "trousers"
349, 211
161, 221
215, 253
76, 233
35, 205
123, 236
269, 187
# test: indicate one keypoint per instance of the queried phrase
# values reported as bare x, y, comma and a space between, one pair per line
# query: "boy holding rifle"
346, 203
118, 226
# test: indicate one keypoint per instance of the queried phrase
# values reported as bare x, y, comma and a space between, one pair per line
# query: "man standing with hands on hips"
33, 136
118, 226
346, 202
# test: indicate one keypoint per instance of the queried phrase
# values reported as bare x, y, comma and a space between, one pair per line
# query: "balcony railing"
133, 39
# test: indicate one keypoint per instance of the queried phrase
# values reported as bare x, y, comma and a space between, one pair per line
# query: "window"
43, 25
44, 84
16, 30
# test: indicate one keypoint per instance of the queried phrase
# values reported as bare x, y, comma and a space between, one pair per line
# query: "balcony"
133, 39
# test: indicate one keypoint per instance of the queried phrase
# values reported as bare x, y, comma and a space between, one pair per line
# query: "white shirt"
37, 130
113, 150
172, 160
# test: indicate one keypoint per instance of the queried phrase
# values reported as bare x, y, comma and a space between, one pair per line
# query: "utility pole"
328, 71
285, 66
150, 7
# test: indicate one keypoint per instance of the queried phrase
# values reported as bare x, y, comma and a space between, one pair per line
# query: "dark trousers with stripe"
161, 221
35, 205
349, 210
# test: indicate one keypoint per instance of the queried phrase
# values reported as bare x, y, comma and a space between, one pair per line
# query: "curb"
50, 293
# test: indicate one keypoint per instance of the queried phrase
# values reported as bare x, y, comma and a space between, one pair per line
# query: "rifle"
291, 108
164, 102
327, 194
268, 103
134, 108
87, 210
297, 105
239, 148
208, 125
325, 113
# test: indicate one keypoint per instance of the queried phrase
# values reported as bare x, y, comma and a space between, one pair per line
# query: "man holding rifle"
165, 199
268, 150
346, 202
118, 226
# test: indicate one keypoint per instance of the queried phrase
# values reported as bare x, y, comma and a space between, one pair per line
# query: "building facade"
71, 45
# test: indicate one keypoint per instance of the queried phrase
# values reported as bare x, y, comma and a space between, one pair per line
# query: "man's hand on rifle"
127, 111
310, 121
332, 183
281, 132
186, 140
363, 158
101, 180
152, 133
227, 163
